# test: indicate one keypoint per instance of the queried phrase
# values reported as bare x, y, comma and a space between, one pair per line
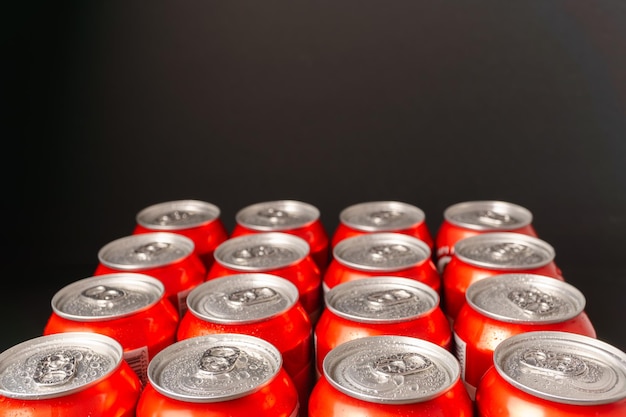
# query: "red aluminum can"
256, 304
129, 307
169, 257
382, 216
274, 253
387, 376
489, 254
198, 220
221, 375
381, 254
501, 306
287, 216
379, 306
74, 374
555, 374
471, 218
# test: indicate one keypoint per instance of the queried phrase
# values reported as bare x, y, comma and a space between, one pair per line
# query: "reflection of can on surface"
260, 305
128, 307
382, 216
380, 306
221, 375
381, 254
489, 254
276, 253
169, 257
386, 376
286, 216
198, 220
74, 374
471, 218
551, 373
504, 305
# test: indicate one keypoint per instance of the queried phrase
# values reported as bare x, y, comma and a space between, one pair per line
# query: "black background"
109, 107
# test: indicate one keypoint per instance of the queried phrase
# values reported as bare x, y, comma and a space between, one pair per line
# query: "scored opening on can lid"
381, 216
391, 369
214, 368
261, 252
504, 250
384, 299
384, 251
487, 215
563, 367
147, 250
277, 215
242, 298
178, 214
108, 296
525, 298
57, 365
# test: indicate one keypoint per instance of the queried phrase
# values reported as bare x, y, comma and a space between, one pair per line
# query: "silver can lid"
381, 300
391, 369
57, 365
214, 368
525, 298
381, 252
177, 215
146, 250
504, 250
242, 298
261, 252
107, 297
381, 216
563, 367
276, 216
488, 215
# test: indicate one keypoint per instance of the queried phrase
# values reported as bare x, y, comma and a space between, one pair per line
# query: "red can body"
143, 331
198, 220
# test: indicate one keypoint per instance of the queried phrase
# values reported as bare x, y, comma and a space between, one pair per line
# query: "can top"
563, 367
144, 251
381, 216
107, 297
381, 252
488, 215
525, 298
214, 368
177, 215
242, 298
385, 299
57, 365
504, 250
275, 216
391, 369
261, 252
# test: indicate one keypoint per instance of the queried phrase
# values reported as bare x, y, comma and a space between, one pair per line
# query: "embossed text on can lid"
381, 216
57, 365
381, 300
488, 215
147, 250
177, 215
391, 369
504, 250
242, 298
276, 216
381, 252
525, 298
260, 252
107, 297
563, 367
214, 368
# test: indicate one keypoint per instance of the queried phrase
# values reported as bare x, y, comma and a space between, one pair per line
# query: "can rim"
346, 215
143, 216
465, 206
288, 205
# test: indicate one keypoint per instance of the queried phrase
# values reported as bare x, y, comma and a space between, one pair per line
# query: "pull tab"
173, 217
150, 250
274, 215
55, 369
509, 251
384, 253
492, 218
402, 364
219, 360
252, 296
382, 299
552, 364
103, 295
384, 216
533, 301
246, 254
